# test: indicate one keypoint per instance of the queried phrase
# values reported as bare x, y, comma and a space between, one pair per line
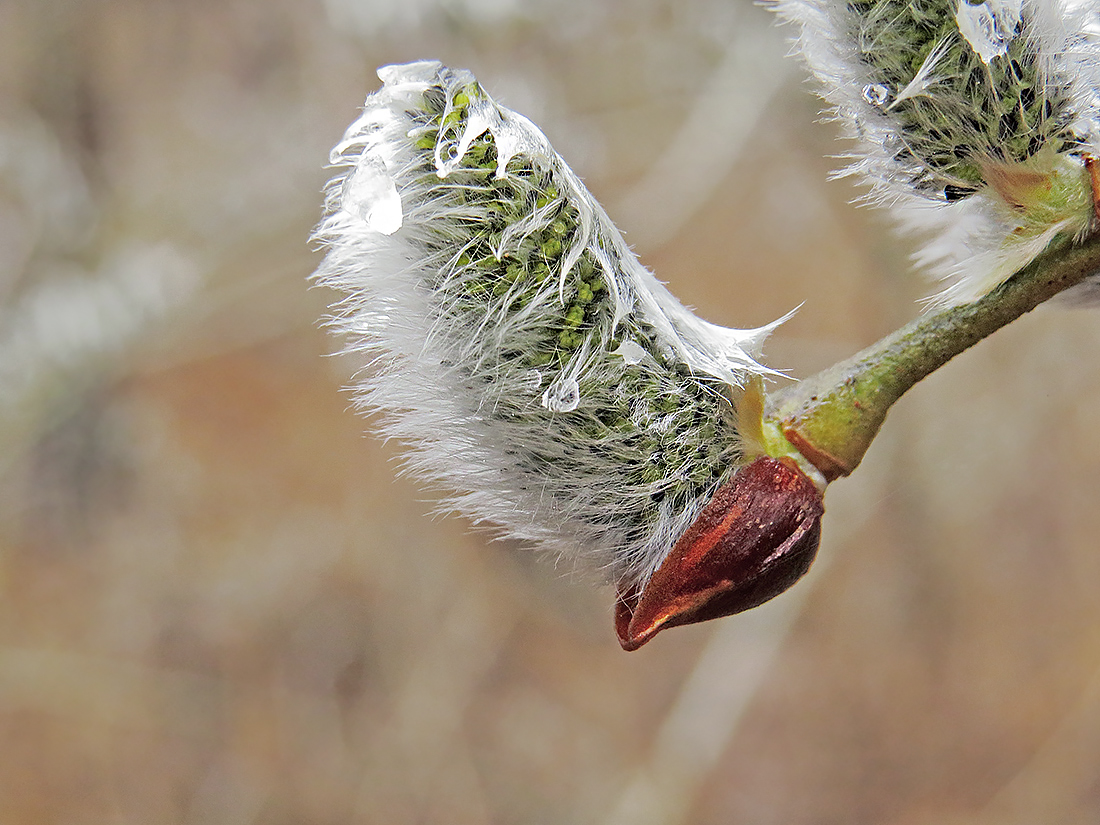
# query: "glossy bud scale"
753, 540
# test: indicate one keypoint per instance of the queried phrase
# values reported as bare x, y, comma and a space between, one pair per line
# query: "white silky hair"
973, 244
601, 452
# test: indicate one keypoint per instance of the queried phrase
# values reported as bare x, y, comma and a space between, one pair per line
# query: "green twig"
832, 417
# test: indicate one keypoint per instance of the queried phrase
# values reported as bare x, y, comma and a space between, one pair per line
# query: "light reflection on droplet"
876, 94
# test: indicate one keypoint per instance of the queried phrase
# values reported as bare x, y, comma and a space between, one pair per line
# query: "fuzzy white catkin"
972, 121
515, 345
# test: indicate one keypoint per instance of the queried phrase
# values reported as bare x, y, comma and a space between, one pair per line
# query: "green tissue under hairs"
977, 112
665, 428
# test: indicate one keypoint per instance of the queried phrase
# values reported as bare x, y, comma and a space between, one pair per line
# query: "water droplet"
631, 352
450, 152
422, 72
532, 380
370, 193
564, 395
892, 143
990, 26
876, 93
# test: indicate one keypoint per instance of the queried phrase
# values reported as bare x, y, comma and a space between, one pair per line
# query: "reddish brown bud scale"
830, 466
753, 540
1093, 167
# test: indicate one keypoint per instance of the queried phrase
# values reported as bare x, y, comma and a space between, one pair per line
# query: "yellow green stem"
832, 417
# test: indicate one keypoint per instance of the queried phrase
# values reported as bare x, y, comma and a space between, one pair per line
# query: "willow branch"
832, 417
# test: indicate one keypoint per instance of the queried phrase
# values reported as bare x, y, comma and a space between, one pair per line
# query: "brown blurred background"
217, 604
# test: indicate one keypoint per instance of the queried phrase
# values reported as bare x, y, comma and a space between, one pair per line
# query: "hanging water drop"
631, 352
877, 93
532, 379
989, 27
564, 395
450, 152
370, 193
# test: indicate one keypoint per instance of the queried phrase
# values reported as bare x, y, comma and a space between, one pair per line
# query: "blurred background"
217, 603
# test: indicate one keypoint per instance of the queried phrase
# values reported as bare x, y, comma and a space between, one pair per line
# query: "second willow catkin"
975, 122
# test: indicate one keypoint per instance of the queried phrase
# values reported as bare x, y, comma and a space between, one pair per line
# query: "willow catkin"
972, 121
517, 348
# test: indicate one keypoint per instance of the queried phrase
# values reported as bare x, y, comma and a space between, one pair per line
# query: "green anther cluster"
668, 434
971, 112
